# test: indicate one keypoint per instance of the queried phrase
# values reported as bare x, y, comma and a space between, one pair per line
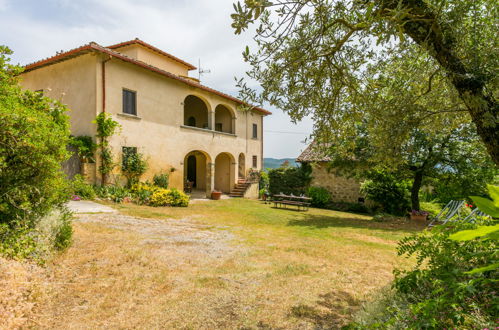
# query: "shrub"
290, 180
386, 190
320, 196
264, 180
169, 197
113, 193
34, 133
161, 180
133, 166
440, 291
432, 208
82, 189
142, 192
85, 147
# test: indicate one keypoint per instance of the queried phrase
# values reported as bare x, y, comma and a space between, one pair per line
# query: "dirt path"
127, 272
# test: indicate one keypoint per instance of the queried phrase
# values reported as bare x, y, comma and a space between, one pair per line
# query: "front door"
241, 167
191, 169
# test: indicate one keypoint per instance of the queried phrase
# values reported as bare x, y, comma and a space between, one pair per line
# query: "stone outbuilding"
342, 189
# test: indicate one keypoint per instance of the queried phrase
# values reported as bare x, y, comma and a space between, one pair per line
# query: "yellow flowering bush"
168, 197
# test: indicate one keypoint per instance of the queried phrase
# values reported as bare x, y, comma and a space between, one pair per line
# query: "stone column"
210, 178
211, 120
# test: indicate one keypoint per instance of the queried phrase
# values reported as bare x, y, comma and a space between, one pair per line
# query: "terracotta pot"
216, 195
419, 218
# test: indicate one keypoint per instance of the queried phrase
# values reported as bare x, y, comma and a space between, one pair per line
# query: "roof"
314, 153
137, 41
94, 47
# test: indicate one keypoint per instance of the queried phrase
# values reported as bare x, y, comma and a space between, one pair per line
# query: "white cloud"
190, 30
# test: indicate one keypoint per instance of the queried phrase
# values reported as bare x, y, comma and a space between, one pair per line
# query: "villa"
200, 136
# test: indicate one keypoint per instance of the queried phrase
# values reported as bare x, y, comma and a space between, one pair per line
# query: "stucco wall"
342, 189
150, 57
158, 131
74, 84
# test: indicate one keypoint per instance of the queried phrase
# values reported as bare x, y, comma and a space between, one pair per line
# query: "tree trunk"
439, 40
416, 186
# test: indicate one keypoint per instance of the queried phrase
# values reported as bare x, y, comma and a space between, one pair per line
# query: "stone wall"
342, 189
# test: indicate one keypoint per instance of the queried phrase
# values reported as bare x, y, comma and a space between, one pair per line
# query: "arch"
241, 170
197, 170
224, 119
224, 172
197, 108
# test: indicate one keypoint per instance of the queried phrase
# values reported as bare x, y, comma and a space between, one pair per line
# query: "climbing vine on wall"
106, 127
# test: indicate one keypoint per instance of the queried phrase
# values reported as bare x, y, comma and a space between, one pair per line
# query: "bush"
263, 183
133, 166
169, 197
290, 180
320, 196
34, 133
142, 192
440, 292
161, 180
53, 231
386, 190
113, 193
85, 146
82, 189
432, 208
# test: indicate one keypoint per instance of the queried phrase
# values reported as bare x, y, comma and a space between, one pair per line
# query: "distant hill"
276, 163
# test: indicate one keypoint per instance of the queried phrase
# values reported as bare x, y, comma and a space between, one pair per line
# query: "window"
255, 131
255, 162
218, 127
191, 121
129, 102
126, 152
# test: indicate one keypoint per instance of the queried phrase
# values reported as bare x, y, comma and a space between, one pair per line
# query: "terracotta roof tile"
314, 153
94, 47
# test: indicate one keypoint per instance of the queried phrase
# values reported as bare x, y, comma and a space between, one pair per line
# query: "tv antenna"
201, 71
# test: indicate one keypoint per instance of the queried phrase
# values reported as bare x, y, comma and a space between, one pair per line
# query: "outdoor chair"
474, 215
449, 211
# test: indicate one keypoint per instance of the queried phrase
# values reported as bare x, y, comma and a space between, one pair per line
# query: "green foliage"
106, 127
133, 166
64, 232
82, 189
290, 180
169, 197
85, 146
320, 196
52, 232
142, 192
490, 207
264, 180
443, 292
34, 133
116, 194
388, 191
373, 63
161, 180
433, 209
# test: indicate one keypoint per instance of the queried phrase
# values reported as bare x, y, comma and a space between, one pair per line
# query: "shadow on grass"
332, 311
325, 221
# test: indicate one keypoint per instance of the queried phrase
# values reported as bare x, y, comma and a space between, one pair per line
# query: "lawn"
257, 268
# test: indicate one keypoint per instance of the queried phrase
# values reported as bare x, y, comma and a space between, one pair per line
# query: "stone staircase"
240, 188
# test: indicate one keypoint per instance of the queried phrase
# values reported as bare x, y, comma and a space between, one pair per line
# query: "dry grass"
227, 264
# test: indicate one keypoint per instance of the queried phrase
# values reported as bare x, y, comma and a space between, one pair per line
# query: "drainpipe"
104, 83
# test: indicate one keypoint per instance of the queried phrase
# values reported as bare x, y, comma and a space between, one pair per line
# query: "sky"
192, 30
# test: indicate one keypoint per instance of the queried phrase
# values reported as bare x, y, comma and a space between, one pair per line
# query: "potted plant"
419, 216
215, 194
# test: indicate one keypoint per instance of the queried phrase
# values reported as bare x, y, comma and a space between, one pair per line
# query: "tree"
34, 133
314, 56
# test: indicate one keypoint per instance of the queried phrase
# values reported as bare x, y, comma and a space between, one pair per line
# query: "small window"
255, 162
126, 152
219, 127
129, 102
255, 131
191, 122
